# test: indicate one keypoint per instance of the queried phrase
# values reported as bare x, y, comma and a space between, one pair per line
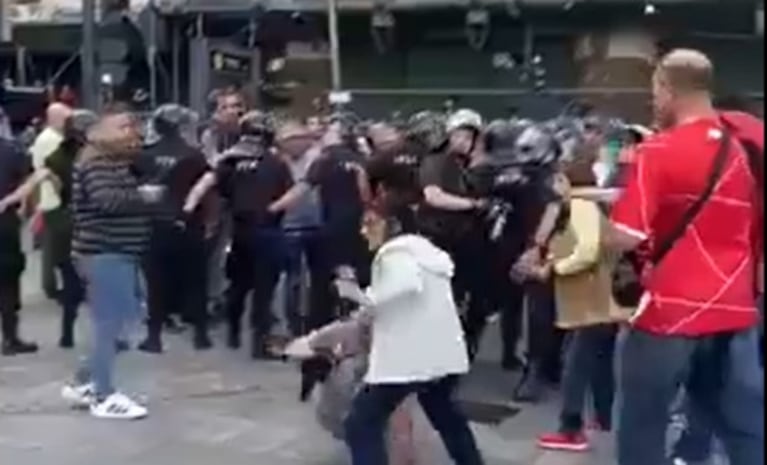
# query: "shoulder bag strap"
692, 213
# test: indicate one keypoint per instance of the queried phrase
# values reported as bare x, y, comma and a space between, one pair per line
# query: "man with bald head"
691, 205
44, 145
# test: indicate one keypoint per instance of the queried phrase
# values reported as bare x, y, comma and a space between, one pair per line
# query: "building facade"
500, 56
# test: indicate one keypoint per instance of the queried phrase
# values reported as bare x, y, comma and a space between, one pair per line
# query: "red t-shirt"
705, 284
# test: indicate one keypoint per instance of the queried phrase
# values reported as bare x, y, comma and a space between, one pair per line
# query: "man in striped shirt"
111, 232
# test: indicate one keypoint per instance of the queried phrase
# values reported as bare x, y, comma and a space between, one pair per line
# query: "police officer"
175, 265
522, 166
450, 212
339, 174
58, 167
250, 177
14, 169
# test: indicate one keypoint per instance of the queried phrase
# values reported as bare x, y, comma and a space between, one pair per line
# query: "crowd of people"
412, 238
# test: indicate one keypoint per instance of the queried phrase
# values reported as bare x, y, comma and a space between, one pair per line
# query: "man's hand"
542, 273
351, 290
481, 205
561, 185
4, 205
527, 266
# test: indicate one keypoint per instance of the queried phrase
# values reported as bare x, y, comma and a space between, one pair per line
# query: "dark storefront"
428, 58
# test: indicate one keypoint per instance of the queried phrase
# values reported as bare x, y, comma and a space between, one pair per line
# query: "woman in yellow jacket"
582, 270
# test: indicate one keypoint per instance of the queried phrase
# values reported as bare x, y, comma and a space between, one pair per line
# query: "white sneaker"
82, 396
118, 407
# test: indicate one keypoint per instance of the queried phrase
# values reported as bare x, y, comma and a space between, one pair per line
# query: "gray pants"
723, 378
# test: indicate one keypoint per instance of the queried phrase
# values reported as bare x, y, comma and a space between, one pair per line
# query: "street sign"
340, 98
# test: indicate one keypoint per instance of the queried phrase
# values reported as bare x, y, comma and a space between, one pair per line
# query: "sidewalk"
214, 408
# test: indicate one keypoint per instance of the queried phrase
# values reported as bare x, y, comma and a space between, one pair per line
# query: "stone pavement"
214, 408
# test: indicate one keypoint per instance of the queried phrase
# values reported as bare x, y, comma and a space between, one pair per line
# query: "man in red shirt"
696, 326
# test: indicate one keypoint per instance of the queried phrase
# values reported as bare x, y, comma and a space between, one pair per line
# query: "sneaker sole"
565, 447
74, 399
119, 417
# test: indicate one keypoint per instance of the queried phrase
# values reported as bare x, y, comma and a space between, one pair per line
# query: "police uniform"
59, 222
176, 261
341, 234
14, 169
251, 178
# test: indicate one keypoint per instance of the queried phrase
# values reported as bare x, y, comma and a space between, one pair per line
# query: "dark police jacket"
250, 177
15, 166
172, 163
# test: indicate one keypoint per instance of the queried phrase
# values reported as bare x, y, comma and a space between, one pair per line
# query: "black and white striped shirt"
109, 215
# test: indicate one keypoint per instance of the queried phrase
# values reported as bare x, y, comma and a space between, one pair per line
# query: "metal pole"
21, 66
152, 56
176, 59
5, 21
335, 48
89, 84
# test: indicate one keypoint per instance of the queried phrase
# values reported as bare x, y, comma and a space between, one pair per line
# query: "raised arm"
100, 183
206, 182
26, 189
585, 221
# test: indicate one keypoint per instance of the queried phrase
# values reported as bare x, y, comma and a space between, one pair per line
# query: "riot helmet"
257, 123
536, 145
174, 120
428, 129
464, 119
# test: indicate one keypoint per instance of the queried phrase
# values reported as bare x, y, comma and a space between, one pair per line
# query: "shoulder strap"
689, 216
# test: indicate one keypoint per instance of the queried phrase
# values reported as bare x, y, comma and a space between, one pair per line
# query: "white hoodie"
417, 334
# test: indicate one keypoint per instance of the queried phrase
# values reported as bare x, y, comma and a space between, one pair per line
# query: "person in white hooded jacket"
417, 347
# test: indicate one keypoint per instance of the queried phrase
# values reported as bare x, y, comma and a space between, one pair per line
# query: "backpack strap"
717, 169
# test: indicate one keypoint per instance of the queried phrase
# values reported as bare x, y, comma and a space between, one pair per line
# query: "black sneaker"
530, 388
513, 364
67, 341
122, 346
261, 350
151, 345
18, 347
234, 340
202, 341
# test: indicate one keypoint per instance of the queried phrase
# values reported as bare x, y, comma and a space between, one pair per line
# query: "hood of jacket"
429, 257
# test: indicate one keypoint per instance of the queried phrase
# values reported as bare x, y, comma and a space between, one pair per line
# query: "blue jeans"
697, 440
366, 425
300, 245
724, 381
111, 281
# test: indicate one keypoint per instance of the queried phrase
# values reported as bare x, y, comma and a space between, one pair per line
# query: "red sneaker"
577, 442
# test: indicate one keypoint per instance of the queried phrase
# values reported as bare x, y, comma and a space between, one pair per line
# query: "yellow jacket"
583, 270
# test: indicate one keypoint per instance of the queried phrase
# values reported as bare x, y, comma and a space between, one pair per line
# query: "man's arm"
290, 197
585, 221
26, 189
633, 214
206, 182
100, 183
301, 188
438, 198
435, 196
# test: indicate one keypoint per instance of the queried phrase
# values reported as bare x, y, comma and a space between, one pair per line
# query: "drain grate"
487, 414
